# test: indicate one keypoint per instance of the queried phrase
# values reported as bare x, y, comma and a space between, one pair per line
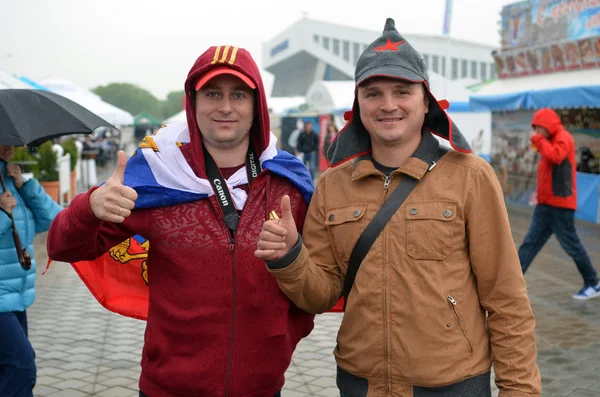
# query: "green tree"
130, 98
173, 104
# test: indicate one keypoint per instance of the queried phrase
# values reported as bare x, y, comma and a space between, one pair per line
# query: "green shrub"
70, 147
47, 161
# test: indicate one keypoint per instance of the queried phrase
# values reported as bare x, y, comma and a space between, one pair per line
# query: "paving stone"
48, 371
329, 392
47, 380
43, 390
118, 392
111, 382
68, 393
70, 384
585, 393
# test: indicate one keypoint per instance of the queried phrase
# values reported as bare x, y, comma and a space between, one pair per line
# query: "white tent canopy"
178, 118
330, 96
578, 78
89, 100
561, 90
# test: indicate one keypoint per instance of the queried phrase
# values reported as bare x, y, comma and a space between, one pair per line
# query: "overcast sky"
154, 43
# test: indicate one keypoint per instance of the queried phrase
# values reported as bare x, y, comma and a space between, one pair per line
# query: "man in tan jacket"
440, 295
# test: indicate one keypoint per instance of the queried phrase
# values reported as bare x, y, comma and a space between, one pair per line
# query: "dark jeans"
17, 359
276, 395
547, 220
310, 163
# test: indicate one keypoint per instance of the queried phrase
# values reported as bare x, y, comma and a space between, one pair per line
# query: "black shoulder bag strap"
374, 228
230, 214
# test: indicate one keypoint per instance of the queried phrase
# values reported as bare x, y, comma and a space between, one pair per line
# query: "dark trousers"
560, 221
17, 359
310, 161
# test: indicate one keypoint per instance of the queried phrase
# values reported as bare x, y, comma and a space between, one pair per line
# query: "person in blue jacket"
33, 211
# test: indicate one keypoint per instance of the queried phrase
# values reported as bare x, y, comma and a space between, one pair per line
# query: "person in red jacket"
557, 200
217, 325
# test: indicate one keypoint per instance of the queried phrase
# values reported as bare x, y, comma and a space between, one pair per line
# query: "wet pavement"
84, 350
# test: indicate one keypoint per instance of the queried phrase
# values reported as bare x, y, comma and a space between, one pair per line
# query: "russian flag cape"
161, 176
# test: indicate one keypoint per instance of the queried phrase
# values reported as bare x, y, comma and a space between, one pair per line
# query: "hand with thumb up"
278, 236
113, 201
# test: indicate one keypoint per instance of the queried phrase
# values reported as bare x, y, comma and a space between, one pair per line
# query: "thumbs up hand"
113, 201
278, 236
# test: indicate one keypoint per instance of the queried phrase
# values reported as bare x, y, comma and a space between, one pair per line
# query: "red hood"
548, 119
240, 60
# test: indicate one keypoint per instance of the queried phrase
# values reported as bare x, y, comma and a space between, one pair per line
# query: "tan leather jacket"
439, 296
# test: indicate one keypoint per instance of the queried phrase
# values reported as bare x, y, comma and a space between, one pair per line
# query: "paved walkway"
84, 350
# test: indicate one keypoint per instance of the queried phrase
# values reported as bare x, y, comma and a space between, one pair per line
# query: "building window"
444, 66
426, 60
483, 71
346, 50
492, 70
435, 60
336, 46
326, 43
454, 71
474, 69
464, 69
355, 52
316, 38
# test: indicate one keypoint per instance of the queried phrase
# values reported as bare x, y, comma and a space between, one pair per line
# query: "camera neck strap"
219, 185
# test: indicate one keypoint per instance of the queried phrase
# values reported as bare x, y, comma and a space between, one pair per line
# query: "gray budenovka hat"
392, 56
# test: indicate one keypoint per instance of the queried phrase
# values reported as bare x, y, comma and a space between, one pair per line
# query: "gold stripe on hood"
216, 57
233, 54
225, 54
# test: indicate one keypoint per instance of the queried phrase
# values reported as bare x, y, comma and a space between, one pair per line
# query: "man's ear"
425, 97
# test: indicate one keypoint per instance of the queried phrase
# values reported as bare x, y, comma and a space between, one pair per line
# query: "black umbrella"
30, 117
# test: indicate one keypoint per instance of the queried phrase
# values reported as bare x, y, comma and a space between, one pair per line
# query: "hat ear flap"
439, 123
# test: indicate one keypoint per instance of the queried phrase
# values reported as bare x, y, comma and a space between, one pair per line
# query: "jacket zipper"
233, 303
233, 318
454, 303
386, 185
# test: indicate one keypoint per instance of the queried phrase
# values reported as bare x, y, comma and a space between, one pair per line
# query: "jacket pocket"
429, 229
345, 225
454, 305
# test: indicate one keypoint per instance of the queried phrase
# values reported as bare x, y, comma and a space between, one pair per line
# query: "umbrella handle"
22, 253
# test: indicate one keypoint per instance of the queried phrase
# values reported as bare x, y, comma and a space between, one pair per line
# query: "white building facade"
311, 50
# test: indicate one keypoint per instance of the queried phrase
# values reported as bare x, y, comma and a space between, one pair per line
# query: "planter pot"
51, 189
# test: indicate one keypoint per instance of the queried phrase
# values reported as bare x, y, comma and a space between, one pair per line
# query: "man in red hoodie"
557, 200
218, 324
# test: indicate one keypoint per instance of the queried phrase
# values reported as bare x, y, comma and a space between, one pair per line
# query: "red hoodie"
557, 169
218, 324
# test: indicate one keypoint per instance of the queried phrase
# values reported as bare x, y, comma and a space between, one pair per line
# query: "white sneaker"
588, 293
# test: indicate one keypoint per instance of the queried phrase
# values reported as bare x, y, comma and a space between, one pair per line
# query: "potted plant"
48, 173
70, 147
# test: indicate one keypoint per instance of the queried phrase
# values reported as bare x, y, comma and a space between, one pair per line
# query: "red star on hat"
389, 46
